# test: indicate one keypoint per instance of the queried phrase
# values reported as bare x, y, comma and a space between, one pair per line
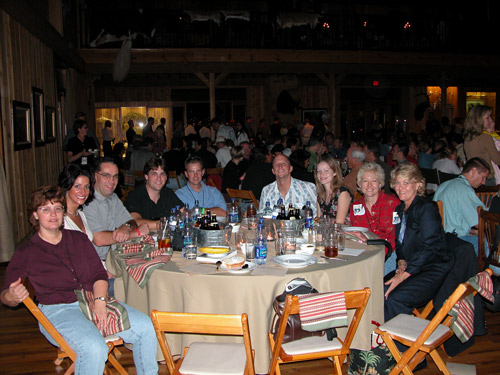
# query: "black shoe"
421, 365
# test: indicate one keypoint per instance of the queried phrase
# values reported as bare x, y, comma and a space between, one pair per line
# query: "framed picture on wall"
38, 116
50, 124
21, 124
313, 114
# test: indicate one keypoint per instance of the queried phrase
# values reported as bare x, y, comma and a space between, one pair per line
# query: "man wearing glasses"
107, 217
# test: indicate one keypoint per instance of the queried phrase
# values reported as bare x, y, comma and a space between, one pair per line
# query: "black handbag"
294, 331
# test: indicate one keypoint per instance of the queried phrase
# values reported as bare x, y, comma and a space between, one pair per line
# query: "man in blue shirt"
460, 201
207, 196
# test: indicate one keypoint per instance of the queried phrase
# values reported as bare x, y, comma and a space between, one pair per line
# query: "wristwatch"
101, 298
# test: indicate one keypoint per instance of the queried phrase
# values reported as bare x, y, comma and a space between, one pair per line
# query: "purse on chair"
294, 331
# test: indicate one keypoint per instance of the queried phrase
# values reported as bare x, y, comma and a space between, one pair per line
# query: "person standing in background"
107, 139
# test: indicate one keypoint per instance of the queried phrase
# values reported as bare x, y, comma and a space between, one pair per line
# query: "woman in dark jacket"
422, 255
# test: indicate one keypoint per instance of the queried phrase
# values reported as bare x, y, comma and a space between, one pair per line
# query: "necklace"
76, 214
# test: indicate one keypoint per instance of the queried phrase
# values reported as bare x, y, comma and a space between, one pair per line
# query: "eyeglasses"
108, 176
48, 210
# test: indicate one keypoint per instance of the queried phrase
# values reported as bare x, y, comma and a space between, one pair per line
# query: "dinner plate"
216, 256
354, 229
251, 267
294, 260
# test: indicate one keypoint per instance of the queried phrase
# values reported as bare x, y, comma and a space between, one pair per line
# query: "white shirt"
70, 224
223, 155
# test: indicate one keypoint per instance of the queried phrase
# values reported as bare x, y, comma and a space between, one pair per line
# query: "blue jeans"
87, 342
390, 264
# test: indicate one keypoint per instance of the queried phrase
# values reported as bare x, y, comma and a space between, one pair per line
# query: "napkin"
136, 245
351, 252
140, 270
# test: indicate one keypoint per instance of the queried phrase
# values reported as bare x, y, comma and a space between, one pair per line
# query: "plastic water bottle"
260, 246
308, 211
268, 211
187, 239
234, 217
277, 208
195, 211
172, 221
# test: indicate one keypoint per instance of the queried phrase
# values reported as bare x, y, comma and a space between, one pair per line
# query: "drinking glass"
331, 245
248, 248
191, 249
289, 243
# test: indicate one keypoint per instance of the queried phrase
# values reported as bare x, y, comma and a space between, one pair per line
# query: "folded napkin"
136, 245
463, 312
140, 270
320, 311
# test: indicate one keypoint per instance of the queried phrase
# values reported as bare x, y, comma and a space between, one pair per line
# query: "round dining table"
176, 287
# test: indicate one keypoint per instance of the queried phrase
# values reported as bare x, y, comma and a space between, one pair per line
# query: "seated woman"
333, 198
232, 175
375, 210
77, 184
423, 260
447, 161
58, 262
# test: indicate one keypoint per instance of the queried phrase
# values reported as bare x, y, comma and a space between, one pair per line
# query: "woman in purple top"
58, 261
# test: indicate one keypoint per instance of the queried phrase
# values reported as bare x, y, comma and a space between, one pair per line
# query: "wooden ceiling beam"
36, 24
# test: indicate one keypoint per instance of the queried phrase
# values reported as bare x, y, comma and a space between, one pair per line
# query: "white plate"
216, 256
251, 266
354, 229
294, 260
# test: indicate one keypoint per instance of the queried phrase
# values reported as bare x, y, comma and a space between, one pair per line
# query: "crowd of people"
375, 183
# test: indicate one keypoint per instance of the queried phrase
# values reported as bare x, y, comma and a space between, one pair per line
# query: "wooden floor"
23, 349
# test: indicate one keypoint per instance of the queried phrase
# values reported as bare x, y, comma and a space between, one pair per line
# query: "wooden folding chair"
316, 347
243, 194
173, 175
64, 350
420, 335
486, 197
204, 357
441, 211
486, 231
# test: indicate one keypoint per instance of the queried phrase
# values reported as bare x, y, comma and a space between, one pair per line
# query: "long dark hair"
70, 173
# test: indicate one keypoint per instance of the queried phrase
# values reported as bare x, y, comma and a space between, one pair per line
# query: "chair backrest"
354, 299
487, 228
205, 324
443, 177
441, 211
173, 174
243, 194
430, 175
462, 291
218, 171
486, 197
42, 319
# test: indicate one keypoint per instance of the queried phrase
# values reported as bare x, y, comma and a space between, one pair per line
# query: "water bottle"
196, 211
172, 221
277, 208
308, 211
268, 211
234, 217
260, 246
187, 239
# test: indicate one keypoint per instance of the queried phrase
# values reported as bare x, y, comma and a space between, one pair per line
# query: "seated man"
288, 188
107, 217
460, 201
152, 200
196, 190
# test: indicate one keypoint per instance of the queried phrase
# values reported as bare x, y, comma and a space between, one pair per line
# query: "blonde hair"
474, 124
337, 178
371, 167
409, 172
